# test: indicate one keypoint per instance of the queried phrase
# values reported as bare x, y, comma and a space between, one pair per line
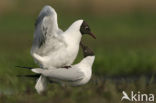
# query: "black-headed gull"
78, 74
51, 46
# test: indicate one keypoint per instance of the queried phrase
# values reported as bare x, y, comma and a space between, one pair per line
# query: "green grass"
99, 91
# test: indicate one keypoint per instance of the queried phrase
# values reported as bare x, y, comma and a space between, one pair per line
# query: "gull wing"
71, 74
41, 84
46, 26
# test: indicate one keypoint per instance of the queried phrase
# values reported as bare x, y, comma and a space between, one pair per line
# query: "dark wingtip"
30, 76
23, 67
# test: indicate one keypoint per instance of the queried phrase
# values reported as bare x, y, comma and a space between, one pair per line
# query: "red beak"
91, 34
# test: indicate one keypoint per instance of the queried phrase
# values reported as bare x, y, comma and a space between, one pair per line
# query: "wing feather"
46, 26
71, 74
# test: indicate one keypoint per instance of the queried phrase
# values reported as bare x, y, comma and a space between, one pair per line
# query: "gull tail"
39, 58
37, 70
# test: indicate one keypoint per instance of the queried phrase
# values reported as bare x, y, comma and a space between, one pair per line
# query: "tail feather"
37, 70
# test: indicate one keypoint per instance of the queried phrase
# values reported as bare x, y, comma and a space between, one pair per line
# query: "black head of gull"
84, 29
86, 50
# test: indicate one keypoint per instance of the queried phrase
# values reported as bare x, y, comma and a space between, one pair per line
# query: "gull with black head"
76, 75
51, 46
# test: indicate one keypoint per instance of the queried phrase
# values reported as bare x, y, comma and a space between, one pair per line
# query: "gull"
76, 75
53, 47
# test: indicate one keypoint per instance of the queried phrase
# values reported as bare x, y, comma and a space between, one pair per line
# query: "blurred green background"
125, 46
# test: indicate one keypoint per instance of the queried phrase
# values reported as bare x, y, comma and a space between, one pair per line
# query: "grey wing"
46, 26
71, 74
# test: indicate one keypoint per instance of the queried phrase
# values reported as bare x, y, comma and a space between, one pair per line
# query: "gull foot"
67, 67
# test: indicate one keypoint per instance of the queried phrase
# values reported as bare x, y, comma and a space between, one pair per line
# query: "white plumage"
51, 46
76, 75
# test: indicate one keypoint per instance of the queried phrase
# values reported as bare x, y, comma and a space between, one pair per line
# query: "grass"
98, 90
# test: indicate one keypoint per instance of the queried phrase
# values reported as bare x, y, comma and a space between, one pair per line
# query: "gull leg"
67, 67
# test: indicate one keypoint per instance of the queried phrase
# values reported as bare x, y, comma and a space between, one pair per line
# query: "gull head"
85, 29
86, 50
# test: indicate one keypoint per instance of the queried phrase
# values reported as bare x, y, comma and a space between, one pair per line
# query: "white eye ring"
86, 27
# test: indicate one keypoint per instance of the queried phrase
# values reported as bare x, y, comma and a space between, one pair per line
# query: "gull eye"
87, 28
